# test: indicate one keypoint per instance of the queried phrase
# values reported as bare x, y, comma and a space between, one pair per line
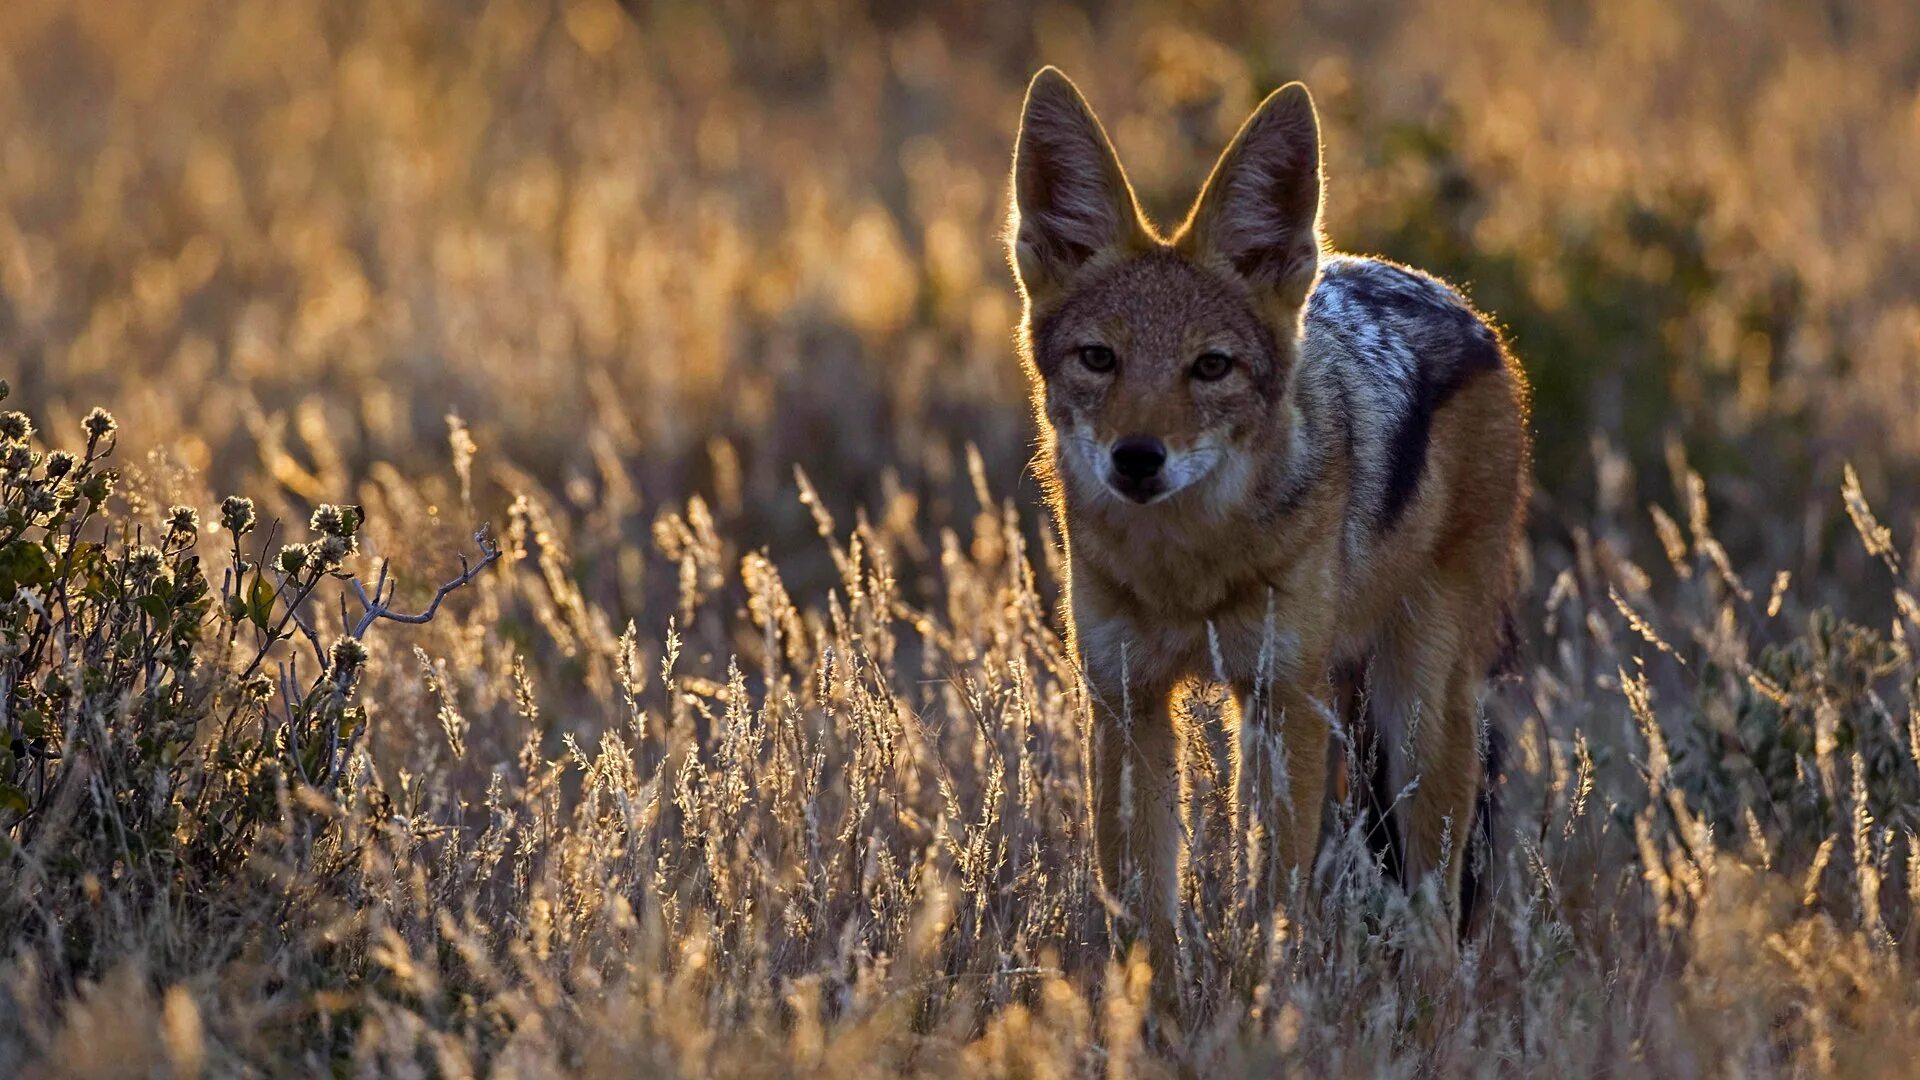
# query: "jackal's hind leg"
1423, 703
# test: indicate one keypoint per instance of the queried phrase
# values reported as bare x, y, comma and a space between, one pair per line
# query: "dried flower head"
41, 500
100, 423
17, 458
293, 558
236, 514
59, 464
183, 519
258, 689
15, 427
331, 520
332, 550
348, 656
144, 562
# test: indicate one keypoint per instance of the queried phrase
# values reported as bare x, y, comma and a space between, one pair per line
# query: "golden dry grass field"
756, 750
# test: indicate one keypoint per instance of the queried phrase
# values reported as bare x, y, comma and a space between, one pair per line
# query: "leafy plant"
152, 733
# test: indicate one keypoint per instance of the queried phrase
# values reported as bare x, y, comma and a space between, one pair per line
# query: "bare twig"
313, 636
378, 607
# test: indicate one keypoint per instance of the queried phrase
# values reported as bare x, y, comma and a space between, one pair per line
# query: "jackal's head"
1164, 364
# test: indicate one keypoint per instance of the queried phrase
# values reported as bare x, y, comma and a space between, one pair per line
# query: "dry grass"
721, 773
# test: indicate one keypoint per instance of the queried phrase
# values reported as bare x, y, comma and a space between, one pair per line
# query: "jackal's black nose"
1139, 457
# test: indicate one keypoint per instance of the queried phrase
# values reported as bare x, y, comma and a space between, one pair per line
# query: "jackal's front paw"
1430, 954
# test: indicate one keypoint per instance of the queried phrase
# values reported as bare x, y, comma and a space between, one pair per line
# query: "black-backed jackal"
1298, 473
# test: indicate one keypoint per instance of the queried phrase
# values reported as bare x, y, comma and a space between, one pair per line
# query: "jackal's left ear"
1260, 210
1071, 200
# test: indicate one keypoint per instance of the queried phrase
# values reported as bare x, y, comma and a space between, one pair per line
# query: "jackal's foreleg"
1136, 808
1280, 786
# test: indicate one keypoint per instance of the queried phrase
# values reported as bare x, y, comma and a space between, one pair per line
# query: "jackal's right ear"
1071, 200
1260, 210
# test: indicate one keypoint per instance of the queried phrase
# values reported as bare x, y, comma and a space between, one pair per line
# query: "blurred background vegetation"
687, 246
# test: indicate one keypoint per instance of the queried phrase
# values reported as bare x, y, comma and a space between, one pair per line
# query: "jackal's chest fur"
1204, 594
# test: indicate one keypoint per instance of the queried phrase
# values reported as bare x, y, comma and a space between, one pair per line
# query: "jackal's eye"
1212, 366
1097, 358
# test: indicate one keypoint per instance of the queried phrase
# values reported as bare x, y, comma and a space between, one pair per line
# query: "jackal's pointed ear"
1070, 197
1260, 210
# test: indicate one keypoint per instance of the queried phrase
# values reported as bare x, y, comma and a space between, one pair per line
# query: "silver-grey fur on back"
1388, 345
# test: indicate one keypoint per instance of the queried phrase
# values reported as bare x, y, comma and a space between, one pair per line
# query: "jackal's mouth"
1137, 491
